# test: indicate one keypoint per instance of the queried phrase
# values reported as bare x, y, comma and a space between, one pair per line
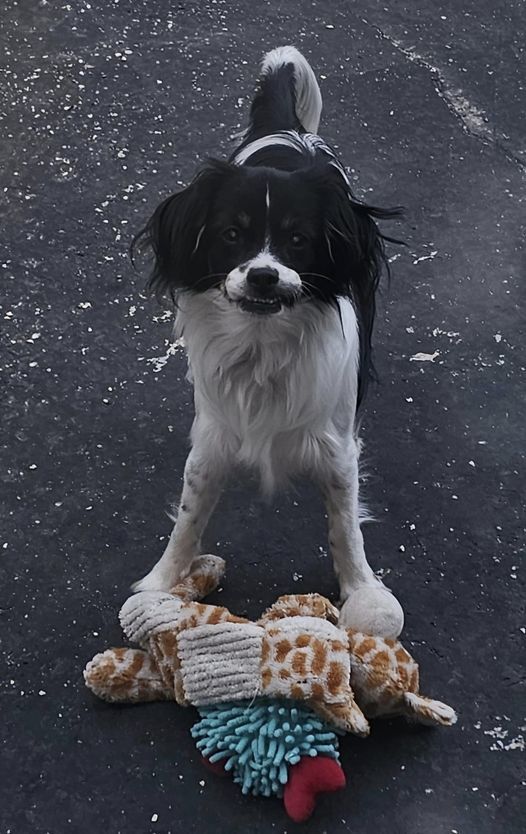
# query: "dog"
273, 266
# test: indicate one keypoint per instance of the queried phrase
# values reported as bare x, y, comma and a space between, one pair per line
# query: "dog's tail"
288, 98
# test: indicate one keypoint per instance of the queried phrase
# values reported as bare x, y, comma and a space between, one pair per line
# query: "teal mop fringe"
257, 741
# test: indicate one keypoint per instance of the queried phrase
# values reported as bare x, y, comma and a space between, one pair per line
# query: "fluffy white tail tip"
308, 96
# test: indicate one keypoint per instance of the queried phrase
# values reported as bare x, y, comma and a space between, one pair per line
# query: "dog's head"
266, 238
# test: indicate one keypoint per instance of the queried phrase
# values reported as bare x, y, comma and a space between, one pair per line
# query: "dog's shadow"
270, 548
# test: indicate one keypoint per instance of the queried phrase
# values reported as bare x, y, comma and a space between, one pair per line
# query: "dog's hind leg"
203, 479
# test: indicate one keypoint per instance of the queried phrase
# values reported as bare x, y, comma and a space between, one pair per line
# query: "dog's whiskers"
316, 275
309, 288
209, 277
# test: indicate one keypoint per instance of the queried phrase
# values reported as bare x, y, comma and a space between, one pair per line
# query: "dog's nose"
262, 278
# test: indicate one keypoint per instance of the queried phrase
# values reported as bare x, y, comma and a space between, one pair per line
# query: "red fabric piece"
308, 778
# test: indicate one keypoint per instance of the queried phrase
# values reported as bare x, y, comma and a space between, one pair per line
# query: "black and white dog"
274, 267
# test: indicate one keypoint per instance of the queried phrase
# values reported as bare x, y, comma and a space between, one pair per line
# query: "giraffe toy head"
385, 681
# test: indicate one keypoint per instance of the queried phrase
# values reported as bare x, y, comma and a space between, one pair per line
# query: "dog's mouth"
261, 306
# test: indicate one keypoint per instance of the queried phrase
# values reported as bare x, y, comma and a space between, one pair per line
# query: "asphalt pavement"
108, 107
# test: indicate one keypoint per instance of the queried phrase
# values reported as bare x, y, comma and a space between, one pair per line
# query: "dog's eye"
231, 235
297, 240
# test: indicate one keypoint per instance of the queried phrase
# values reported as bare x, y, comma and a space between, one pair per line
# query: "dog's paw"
372, 609
159, 579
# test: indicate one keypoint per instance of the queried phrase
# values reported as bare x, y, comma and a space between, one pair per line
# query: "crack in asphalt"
473, 119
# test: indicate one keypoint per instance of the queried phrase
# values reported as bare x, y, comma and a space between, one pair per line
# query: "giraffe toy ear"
427, 711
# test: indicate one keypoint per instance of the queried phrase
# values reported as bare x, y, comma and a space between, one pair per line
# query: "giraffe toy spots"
205, 656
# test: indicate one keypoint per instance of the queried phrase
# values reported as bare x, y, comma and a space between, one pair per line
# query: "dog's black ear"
174, 231
356, 250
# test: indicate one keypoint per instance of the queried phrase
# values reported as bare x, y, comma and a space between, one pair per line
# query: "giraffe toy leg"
428, 711
205, 575
126, 675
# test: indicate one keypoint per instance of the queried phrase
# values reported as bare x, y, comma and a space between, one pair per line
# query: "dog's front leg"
368, 605
338, 476
203, 479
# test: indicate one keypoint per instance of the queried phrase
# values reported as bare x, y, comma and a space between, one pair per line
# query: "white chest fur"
271, 388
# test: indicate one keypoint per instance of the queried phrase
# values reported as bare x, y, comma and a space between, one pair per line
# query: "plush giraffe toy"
294, 655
